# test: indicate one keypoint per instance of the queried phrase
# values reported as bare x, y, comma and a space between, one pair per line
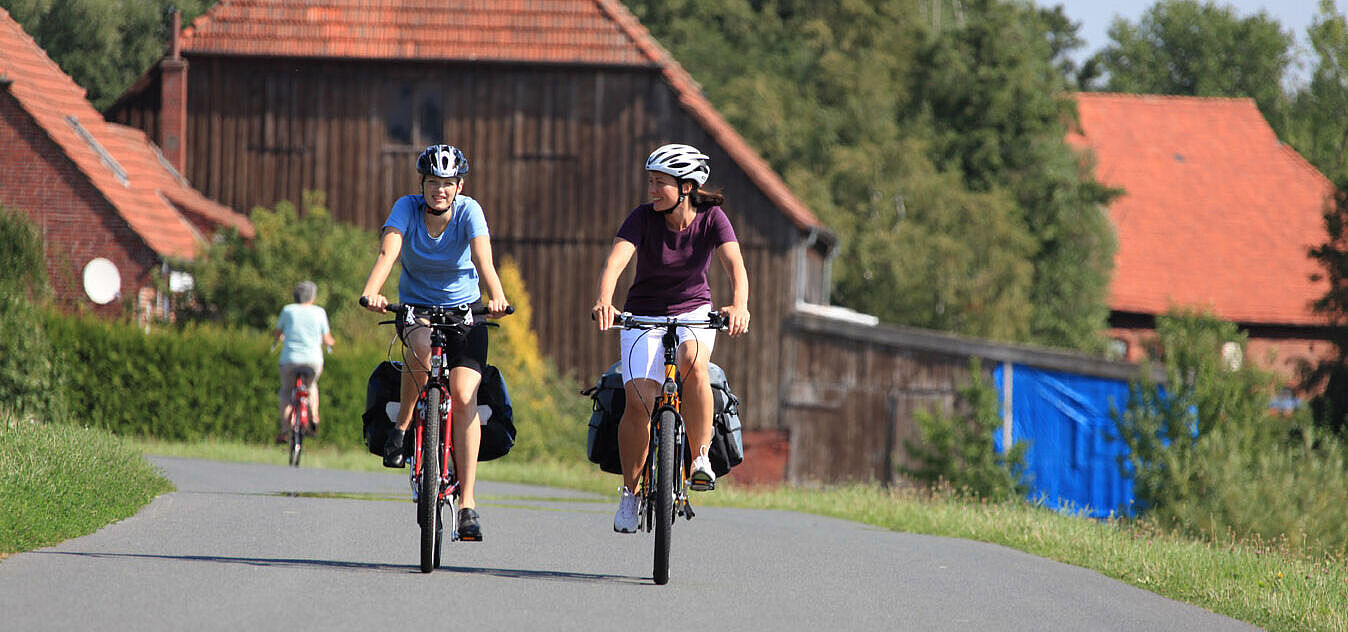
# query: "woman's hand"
603, 311
497, 306
376, 303
738, 319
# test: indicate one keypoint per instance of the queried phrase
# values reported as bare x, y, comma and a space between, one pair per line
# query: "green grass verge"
60, 482
1271, 585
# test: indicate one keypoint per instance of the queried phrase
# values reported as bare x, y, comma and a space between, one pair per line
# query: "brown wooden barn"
556, 104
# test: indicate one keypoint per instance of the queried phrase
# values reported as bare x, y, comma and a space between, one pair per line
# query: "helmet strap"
427, 207
677, 203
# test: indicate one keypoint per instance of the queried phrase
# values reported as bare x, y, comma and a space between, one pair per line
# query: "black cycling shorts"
469, 350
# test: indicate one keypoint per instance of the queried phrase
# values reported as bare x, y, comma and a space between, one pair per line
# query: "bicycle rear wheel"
296, 435
664, 495
428, 499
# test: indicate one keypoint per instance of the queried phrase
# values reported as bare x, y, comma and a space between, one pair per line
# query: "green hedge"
204, 381
195, 383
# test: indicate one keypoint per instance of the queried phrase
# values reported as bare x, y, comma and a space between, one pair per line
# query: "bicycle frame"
436, 379
669, 399
662, 486
300, 415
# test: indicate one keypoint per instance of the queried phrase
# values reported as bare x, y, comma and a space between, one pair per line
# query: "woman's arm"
496, 299
738, 309
390, 246
618, 258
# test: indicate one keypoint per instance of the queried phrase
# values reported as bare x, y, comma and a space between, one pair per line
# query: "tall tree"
833, 96
1186, 47
1318, 117
102, 44
997, 96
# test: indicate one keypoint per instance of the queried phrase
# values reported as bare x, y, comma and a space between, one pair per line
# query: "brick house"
94, 190
1217, 215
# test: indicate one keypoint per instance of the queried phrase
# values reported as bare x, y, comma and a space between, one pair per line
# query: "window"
414, 114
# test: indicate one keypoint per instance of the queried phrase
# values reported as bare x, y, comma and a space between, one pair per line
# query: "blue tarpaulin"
1073, 456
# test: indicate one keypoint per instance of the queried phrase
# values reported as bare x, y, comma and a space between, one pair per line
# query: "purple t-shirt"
672, 265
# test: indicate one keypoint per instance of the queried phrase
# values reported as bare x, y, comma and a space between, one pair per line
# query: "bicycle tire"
429, 496
664, 495
296, 437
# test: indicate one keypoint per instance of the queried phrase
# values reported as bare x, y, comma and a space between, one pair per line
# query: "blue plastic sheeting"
1073, 460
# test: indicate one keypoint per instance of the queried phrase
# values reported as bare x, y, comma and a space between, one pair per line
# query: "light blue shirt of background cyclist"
303, 328
438, 270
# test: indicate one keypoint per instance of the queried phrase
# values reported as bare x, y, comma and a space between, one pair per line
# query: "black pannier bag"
383, 391
498, 427
609, 399
384, 387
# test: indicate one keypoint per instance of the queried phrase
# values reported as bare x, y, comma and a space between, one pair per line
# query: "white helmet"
684, 162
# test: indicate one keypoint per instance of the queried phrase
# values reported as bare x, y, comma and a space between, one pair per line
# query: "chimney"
173, 101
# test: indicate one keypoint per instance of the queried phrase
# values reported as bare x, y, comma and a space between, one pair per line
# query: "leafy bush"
958, 449
549, 416
1208, 456
245, 283
23, 270
30, 385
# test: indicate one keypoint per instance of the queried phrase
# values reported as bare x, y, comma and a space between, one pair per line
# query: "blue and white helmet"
442, 161
684, 162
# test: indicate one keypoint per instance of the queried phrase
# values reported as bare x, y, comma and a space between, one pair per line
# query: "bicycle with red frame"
434, 481
300, 420
664, 477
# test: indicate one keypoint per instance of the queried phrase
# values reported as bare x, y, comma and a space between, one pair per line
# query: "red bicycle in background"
300, 420
434, 482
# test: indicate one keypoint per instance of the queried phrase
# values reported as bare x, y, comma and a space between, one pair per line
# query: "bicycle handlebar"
478, 310
714, 320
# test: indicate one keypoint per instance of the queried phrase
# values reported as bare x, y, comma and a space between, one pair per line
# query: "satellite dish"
102, 282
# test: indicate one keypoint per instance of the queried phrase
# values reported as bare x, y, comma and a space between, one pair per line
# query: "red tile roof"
119, 161
1218, 214
598, 32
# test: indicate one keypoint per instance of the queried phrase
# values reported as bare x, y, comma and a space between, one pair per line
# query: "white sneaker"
702, 478
625, 521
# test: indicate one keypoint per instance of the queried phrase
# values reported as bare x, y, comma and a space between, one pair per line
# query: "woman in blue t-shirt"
442, 240
673, 238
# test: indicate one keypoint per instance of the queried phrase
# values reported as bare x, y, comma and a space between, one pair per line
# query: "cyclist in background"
302, 329
672, 237
441, 238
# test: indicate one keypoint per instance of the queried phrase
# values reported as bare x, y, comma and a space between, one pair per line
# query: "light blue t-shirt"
303, 327
438, 270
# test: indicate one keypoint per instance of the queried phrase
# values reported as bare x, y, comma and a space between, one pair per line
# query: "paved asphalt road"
252, 547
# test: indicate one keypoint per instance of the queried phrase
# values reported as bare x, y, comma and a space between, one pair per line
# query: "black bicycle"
663, 490
434, 481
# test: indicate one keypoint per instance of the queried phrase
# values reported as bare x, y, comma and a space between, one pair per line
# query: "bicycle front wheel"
429, 497
664, 495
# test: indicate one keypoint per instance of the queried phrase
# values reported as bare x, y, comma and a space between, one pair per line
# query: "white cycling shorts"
643, 355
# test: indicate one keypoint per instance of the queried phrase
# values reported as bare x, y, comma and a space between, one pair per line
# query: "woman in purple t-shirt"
673, 238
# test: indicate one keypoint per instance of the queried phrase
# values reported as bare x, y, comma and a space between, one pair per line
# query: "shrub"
958, 449
1208, 457
30, 385
245, 284
23, 270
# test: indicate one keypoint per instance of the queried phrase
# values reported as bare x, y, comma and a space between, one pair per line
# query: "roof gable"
119, 161
587, 32
1217, 213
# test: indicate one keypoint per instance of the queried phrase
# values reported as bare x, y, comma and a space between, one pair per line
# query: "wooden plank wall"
555, 154
851, 393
